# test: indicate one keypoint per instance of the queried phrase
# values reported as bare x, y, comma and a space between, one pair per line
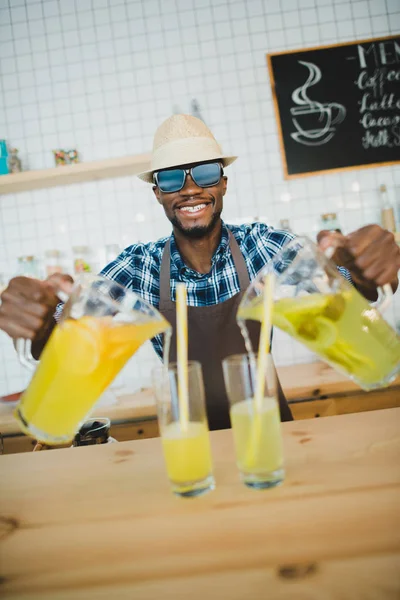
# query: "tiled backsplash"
100, 75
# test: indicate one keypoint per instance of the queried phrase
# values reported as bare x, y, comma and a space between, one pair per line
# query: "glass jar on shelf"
388, 220
53, 262
81, 259
28, 266
330, 222
285, 225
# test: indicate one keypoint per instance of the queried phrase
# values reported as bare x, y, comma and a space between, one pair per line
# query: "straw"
182, 354
263, 367
265, 336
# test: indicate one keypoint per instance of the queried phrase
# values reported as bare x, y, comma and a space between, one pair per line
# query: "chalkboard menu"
338, 107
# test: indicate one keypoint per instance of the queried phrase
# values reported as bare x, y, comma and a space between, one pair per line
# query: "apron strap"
165, 277
165, 271
240, 264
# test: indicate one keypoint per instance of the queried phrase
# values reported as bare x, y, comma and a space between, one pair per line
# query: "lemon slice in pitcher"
327, 332
318, 333
79, 345
283, 323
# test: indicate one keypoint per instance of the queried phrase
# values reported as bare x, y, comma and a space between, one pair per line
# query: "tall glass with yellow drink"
317, 306
184, 435
256, 424
101, 327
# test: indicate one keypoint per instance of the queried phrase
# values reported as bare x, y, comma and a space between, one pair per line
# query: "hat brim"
147, 176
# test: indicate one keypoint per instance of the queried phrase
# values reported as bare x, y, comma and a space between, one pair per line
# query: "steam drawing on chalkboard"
315, 122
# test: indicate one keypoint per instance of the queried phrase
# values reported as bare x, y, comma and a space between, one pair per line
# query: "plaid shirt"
138, 267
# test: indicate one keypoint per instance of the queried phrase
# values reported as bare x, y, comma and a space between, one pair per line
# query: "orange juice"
187, 452
79, 361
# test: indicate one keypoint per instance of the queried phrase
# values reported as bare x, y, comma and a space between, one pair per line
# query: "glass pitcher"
101, 327
320, 308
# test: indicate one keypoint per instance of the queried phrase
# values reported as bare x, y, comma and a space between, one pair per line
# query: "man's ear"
225, 184
156, 191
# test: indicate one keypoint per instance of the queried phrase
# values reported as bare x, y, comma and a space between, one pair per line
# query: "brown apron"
214, 335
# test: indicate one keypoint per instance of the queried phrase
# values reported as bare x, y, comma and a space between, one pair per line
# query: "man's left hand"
373, 257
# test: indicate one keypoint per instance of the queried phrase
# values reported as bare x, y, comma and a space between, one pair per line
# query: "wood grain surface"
100, 522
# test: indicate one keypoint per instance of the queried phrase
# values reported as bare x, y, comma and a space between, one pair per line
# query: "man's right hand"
27, 306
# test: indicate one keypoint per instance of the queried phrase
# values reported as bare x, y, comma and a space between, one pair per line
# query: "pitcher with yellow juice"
185, 437
320, 308
101, 327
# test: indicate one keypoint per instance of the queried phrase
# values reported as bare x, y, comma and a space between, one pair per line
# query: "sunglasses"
173, 180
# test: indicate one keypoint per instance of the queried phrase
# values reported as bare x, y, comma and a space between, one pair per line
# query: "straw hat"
181, 140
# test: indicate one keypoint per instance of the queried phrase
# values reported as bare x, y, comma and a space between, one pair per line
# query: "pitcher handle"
385, 295
24, 347
24, 352
385, 292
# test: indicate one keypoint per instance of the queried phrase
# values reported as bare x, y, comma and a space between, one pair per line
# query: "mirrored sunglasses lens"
207, 175
171, 181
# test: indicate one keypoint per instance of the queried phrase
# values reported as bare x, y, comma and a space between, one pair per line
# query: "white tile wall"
100, 75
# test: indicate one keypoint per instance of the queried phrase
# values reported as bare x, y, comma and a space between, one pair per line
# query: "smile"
193, 209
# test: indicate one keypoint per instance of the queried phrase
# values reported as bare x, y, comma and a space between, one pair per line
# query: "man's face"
193, 210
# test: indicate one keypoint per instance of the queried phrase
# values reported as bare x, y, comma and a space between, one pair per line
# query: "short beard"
196, 233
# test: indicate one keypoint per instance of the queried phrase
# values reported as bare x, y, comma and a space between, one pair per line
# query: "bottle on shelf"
3, 158
81, 259
330, 222
285, 225
387, 213
14, 162
53, 262
28, 266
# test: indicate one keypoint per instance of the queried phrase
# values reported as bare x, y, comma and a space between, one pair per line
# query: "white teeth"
192, 209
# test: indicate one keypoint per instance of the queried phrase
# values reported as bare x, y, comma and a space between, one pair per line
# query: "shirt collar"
220, 255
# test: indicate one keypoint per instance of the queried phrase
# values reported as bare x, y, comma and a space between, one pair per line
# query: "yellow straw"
262, 368
265, 336
182, 354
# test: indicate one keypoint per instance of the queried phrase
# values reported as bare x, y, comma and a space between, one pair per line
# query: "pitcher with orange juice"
101, 327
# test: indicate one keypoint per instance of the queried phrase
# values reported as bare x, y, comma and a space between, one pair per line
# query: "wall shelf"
78, 173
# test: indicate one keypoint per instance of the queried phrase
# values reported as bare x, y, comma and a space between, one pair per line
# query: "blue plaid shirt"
138, 267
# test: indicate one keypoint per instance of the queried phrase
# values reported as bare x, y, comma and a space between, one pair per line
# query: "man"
215, 261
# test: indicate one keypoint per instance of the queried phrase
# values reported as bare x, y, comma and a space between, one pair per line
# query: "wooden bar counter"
100, 522
312, 389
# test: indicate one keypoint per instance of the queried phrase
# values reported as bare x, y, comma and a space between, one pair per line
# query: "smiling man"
216, 261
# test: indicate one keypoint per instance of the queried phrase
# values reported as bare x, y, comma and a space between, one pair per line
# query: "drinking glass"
184, 431
316, 305
101, 326
255, 422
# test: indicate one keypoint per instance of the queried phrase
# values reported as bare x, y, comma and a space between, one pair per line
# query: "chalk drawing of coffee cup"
315, 122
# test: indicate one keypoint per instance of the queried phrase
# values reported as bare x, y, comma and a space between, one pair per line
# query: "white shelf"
78, 173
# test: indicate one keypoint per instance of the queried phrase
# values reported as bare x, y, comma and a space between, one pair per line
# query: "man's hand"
27, 307
370, 254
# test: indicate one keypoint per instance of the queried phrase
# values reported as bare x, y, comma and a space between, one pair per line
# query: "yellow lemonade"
257, 436
187, 452
342, 328
79, 361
